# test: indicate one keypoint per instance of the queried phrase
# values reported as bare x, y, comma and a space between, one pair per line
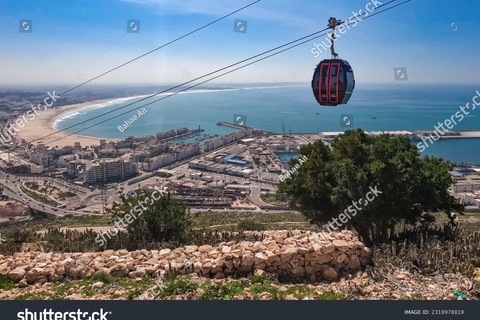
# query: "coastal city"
251, 150
238, 171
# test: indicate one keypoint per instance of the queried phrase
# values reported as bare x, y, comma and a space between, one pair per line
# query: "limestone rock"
341, 245
325, 258
36, 274
259, 272
354, 262
17, 274
329, 274
303, 255
260, 258
341, 258
205, 248
248, 260
298, 271
190, 249
97, 286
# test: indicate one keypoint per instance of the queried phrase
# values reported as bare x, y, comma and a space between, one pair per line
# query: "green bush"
336, 178
250, 225
328, 295
101, 276
162, 220
178, 286
274, 292
222, 290
257, 280
6, 283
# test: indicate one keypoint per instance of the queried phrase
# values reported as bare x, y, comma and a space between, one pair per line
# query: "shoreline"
42, 125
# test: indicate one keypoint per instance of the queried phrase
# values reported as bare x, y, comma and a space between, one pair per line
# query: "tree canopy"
154, 218
410, 187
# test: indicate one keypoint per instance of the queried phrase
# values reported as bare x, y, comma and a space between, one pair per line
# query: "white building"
330, 135
232, 137
107, 153
465, 186
76, 168
158, 162
469, 199
187, 151
41, 158
107, 170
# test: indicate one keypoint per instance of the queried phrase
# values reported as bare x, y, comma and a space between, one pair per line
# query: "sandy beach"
42, 126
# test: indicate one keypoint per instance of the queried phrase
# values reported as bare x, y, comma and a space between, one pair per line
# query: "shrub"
162, 220
250, 225
257, 280
6, 283
101, 276
178, 286
222, 290
338, 177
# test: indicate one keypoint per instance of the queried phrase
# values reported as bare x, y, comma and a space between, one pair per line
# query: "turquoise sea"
372, 108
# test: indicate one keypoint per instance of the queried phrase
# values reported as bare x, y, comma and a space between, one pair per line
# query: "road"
89, 197
17, 194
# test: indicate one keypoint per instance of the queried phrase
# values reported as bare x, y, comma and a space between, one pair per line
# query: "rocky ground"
404, 286
273, 265
12, 209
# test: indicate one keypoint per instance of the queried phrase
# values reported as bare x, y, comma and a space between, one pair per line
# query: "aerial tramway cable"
309, 38
160, 47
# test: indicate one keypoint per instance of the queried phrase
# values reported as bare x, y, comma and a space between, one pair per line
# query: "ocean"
372, 108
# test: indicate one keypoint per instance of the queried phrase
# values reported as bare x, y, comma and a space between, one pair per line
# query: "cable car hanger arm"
332, 24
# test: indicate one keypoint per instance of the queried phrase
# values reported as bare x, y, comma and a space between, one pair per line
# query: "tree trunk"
364, 234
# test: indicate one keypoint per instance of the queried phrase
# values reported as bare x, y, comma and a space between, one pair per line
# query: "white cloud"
210, 7
290, 13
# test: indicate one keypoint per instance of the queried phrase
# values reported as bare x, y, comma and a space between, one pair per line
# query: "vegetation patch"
277, 199
329, 295
33, 296
39, 198
222, 290
336, 181
6, 283
178, 286
250, 225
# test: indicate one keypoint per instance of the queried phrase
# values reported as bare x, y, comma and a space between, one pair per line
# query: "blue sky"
78, 39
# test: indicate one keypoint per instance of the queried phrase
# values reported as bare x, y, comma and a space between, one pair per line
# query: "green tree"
158, 218
327, 184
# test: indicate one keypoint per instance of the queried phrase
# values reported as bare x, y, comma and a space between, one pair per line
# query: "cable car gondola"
333, 81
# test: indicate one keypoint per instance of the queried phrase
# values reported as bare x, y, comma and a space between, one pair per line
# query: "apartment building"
111, 170
76, 168
158, 162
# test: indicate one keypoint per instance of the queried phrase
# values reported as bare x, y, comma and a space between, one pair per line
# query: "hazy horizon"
212, 85
70, 44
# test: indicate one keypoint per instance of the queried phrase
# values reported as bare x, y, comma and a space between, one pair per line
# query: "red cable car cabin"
333, 82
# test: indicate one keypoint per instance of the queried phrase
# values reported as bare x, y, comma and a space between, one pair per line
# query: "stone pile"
294, 255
